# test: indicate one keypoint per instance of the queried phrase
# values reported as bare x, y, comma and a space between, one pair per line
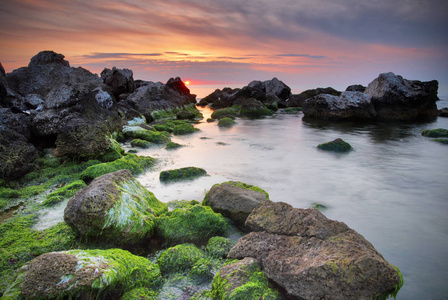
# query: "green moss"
442, 141
65, 192
338, 145
189, 112
172, 146
153, 136
181, 174
254, 285
141, 293
164, 114
182, 204
19, 244
226, 122
230, 112
255, 111
179, 259
393, 293
192, 224
435, 133
292, 110
318, 206
202, 270
113, 152
136, 164
219, 247
140, 143
241, 185
185, 128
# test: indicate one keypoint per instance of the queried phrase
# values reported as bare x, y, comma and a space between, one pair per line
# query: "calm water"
393, 188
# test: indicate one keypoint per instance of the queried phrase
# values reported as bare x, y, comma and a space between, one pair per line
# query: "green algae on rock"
436, 133
140, 143
226, 122
181, 174
153, 136
114, 207
84, 273
172, 146
132, 162
338, 145
184, 128
219, 247
190, 224
20, 244
242, 280
180, 258
65, 192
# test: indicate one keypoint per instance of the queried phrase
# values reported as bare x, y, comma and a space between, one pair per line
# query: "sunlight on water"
392, 188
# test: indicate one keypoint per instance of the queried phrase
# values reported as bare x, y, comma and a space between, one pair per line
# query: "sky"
229, 43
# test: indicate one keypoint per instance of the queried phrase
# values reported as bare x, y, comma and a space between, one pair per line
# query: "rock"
16, 154
219, 247
83, 274
226, 122
114, 207
121, 81
3, 86
396, 98
182, 174
33, 101
443, 112
435, 133
180, 258
312, 257
46, 71
347, 106
297, 100
15, 120
235, 200
338, 145
220, 98
356, 88
157, 96
251, 108
242, 280
190, 224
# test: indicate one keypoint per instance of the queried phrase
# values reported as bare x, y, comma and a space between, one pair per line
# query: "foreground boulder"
114, 207
396, 98
235, 200
313, 257
347, 106
84, 274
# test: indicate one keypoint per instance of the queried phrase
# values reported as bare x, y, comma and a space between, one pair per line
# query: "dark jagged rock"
356, 88
347, 106
220, 98
297, 100
16, 120
396, 98
121, 81
16, 154
443, 112
313, 257
156, 96
3, 86
235, 200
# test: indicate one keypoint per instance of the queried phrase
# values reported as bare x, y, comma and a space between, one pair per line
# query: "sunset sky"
219, 43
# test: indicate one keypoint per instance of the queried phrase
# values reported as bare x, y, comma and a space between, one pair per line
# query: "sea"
392, 189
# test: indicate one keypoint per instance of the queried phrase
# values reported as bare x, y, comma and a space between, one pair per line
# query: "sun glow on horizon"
187, 82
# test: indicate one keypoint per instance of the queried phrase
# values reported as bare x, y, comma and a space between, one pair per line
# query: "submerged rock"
83, 274
313, 257
338, 145
114, 207
396, 98
435, 133
186, 173
235, 200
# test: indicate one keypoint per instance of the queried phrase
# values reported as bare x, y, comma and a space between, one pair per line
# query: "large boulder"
396, 98
46, 71
313, 257
16, 154
84, 274
114, 207
17, 120
121, 81
347, 106
235, 200
156, 96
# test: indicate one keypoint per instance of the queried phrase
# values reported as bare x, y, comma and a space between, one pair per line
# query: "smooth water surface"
393, 188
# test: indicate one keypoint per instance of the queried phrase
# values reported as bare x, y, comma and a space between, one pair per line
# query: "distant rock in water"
313, 257
396, 98
297, 100
443, 112
338, 145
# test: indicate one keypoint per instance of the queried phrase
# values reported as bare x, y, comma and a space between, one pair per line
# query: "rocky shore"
60, 131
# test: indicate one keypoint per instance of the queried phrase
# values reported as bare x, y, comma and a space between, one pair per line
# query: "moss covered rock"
228, 112
173, 146
190, 224
153, 136
84, 273
185, 128
436, 133
182, 174
65, 192
140, 143
226, 122
338, 145
243, 280
114, 207
179, 259
135, 164
219, 247
235, 200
